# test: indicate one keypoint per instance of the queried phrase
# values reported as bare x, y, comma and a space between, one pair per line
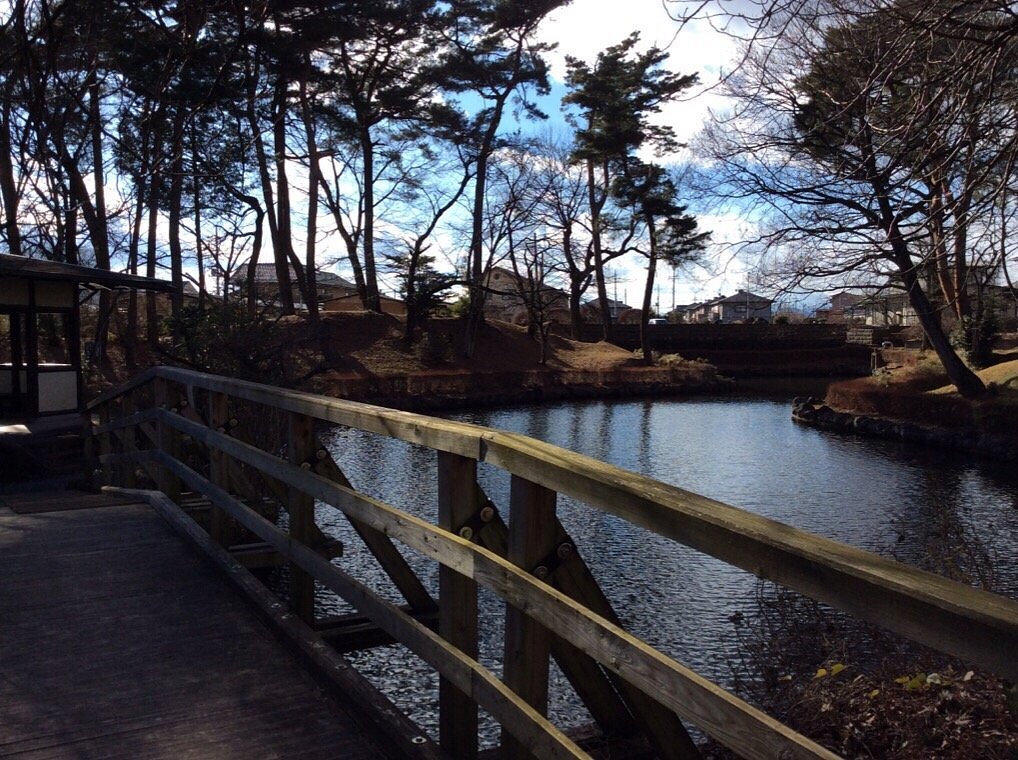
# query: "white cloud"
584, 28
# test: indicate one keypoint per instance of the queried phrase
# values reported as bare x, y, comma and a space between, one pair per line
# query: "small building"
741, 307
40, 339
844, 308
352, 302
507, 294
592, 310
888, 310
330, 286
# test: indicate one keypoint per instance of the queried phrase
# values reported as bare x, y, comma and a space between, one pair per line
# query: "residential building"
266, 283
591, 310
743, 306
352, 302
507, 294
890, 309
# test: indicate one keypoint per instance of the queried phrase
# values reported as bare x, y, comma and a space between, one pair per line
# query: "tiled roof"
266, 273
742, 296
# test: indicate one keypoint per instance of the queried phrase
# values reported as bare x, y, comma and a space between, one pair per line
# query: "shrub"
225, 340
434, 349
974, 336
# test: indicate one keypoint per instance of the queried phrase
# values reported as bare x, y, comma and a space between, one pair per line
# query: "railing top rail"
135, 382
941, 613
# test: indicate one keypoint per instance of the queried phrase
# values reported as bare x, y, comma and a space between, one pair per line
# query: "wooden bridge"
118, 640
224, 457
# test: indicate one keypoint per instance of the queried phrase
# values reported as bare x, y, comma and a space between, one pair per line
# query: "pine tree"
614, 100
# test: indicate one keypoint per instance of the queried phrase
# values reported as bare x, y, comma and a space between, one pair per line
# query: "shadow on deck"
44, 454
119, 641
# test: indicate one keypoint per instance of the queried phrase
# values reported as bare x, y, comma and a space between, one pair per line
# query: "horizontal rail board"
728, 719
542, 737
944, 614
976, 625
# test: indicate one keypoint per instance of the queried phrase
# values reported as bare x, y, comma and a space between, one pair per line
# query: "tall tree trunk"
413, 316
95, 216
965, 380
252, 265
199, 252
960, 212
372, 300
251, 287
940, 263
349, 239
8, 184
151, 253
69, 234
314, 180
282, 269
475, 312
575, 286
648, 292
100, 233
286, 257
596, 205
129, 338
174, 204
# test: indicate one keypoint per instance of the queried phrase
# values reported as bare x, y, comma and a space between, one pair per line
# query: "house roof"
612, 304
352, 296
44, 269
742, 296
266, 274
520, 279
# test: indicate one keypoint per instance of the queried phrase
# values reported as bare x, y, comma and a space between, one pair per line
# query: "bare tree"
852, 143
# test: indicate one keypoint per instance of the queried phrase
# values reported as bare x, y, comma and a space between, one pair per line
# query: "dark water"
914, 504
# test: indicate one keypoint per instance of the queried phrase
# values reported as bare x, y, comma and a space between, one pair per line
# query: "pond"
913, 504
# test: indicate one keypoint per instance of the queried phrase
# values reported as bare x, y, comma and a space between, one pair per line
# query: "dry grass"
367, 343
1004, 376
917, 391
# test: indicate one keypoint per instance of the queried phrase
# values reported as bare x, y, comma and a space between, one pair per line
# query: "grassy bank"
363, 356
914, 388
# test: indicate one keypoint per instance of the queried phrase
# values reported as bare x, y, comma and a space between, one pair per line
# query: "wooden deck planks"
116, 640
39, 502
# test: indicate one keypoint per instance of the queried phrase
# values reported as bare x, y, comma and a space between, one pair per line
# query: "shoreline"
438, 390
816, 413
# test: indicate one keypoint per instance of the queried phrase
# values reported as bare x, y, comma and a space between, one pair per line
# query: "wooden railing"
187, 430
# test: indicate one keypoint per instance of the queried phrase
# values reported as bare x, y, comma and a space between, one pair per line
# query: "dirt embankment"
911, 401
366, 359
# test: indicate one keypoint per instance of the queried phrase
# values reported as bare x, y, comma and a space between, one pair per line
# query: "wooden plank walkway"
119, 641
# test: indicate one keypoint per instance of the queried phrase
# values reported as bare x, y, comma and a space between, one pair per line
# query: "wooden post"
219, 417
129, 474
527, 643
300, 448
105, 445
586, 676
457, 615
167, 396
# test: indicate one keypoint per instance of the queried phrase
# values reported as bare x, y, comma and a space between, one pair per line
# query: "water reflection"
917, 505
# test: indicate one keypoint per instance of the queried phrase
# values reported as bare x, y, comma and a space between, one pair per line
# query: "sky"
581, 30
585, 27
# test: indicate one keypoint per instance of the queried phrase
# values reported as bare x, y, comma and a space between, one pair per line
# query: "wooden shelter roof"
43, 269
